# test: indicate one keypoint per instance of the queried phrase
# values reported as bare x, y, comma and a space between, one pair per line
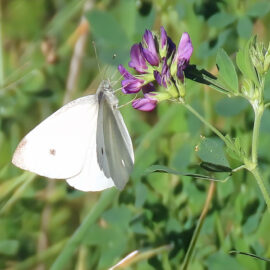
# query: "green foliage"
97, 230
227, 73
244, 62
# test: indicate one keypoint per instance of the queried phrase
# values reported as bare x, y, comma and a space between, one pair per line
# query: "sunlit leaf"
227, 71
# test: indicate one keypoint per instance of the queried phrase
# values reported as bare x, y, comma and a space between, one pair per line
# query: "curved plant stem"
267, 105
199, 226
255, 135
217, 132
254, 155
262, 186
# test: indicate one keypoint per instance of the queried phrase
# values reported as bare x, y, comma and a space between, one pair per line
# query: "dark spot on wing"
52, 152
102, 152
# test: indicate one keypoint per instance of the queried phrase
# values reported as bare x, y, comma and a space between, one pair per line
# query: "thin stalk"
1, 49
255, 135
17, 194
76, 239
210, 126
267, 105
262, 186
254, 155
196, 233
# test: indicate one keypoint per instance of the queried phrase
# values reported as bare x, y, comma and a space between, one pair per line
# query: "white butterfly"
85, 142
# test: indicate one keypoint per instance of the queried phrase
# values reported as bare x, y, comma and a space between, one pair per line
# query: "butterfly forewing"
57, 147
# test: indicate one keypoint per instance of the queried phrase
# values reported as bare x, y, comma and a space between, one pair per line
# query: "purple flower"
130, 84
148, 88
184, 52
137, 59
157, 61
171, 47
149, 49
147, 103
167, 46
163, 37
165, 76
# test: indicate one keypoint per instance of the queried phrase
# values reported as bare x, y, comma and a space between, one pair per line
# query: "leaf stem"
202, 119
199, 226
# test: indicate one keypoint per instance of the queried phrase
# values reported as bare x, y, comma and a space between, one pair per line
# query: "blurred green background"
39, 43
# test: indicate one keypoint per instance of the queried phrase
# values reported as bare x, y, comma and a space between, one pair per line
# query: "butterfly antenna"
117, 90
96, 55
127, 102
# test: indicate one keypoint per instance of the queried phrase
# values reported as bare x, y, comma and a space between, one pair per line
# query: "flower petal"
137, 60
149, 41
125, 73
163, 37
131, 86
152, 58
144, 104
157, 76
148, 88
171, 47
185, 48
149, 48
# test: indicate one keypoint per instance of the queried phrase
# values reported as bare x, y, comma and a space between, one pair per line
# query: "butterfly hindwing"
117, 145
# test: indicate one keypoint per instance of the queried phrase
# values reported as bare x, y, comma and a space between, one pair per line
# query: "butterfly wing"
91, 177
114, 146
57, 147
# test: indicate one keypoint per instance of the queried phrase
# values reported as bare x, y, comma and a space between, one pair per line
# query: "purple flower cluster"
155, 60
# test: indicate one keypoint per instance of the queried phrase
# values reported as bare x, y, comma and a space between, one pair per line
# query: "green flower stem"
1, 51
217, 132
262, 186
252, 166
196, 233
76, 239
267, 105
255, 135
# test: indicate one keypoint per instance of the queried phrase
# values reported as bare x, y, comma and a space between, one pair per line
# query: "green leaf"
9, 247
227, 71
229, 107
265, 127
110, 36
211, 150
215, 167
221, 19
244, 63
250, 255
125, 13
222, 261
205, 77
164, 169
259, 9
244, 27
